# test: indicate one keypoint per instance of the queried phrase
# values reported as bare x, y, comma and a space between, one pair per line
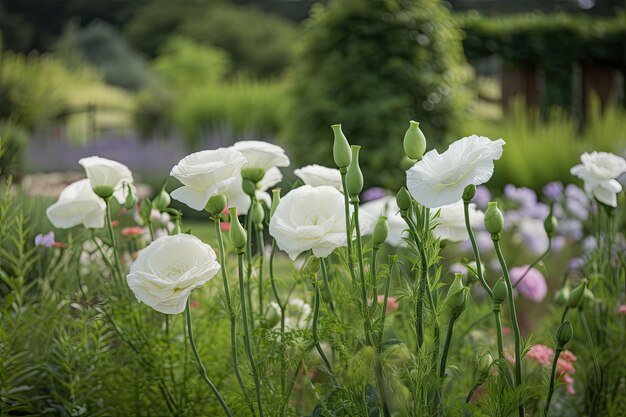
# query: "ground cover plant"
322, 299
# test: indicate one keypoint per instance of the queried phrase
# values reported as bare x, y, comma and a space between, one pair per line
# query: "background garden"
146, 82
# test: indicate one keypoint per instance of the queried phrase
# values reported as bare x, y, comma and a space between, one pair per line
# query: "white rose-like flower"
166, 271
206, 173
439, 179
316, 175
387, 207
599, 171
237, 198
77, 204
261, 154
105, 174
309, 218
451, 221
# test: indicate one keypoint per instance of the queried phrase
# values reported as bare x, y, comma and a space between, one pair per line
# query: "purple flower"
577, 202
554, 191
373, 193
523, 196
482, 197
571, 227
533, 286
458, 268
533, 235
576, 263
589, 244
46, 240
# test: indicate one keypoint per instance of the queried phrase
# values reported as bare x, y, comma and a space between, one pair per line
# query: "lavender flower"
46, 240
482, 197
553, 191
525, 197
373, 193
533, 286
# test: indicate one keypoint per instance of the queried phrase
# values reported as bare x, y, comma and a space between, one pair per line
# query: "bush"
373, 66
13, 141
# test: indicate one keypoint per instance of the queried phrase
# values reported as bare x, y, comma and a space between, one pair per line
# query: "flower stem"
366, 319
446, 348
201, 367
552, 377
592, 349
116, 254
470, 394
479, 268
281, 306
246, 333
346, 204
316, 311
261, 245
514, 323
374, 278
231, 315
248, 253
501, 358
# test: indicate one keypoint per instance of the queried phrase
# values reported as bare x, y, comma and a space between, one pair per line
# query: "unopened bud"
275, 200
131, 198
468, 193
354, 176
145, 209
485, 361
577, 295
216, 204
162, 200
403, 199
550, 224
381, 231
253, 174
341, 149
564, 334
414, 141
238, 236
561, 297
257, 215
500, 292
494, 220
249, 187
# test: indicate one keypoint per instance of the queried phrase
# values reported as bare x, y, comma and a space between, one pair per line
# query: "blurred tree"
373, 65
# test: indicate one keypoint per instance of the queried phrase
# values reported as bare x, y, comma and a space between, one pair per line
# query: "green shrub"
373, 66
13, 142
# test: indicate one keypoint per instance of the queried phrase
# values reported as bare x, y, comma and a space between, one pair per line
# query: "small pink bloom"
563, 367
392, 303
60, 245
195, 304
621, 309
132, 232
541, 354
506, 331
533, 285
115, 223
568, 356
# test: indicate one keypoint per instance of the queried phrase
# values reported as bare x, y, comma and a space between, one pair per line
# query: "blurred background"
146, 82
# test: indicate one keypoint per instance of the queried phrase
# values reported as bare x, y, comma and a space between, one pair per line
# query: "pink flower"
392, 303
132, 232
621, 309
533, 286
541, 354
569, 356
565, 367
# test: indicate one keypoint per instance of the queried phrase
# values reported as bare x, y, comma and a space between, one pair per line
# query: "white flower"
599, 171
108, 175
262, 155
206, 173
237, 198
166, 271
309, 218
77, 204
387, 207
451, 221
439, 179
316, 175
297, 313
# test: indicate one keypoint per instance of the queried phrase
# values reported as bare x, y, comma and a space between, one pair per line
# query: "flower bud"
145, 209
485, 361
341, 149
456, 299
380, 233
561, 297
131, 198
249, 187
311, 266
564, 334
354, 177
238, 235
406, 163
275, 200
257, 215
414, 141
500, 292
468, 193
494, 220
253, 174
588, 298
577, 295
550, 224
404, 199
161, 200
178, 226
216, 204
103, 191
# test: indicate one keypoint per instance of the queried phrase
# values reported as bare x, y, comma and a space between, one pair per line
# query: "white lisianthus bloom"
599, 171
166, 271
206, 173
316, 175
237, 198
387, 207
310, 218
105, 174
451, 222
77, 204
261, 154
439, 179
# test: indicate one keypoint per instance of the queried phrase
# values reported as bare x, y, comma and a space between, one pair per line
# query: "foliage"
369, 64
13, 141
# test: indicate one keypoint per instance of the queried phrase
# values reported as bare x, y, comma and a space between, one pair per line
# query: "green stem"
446, 348
246, 333
504, 368
479, 268
564, 314
261, 244
327, 284
231, 315
116, 254
201, 367
592, 349
283, 409
316, 311
470, 394
283, 361
248, 253
535, 262
374, 278
552, 377
384, 311
514, 322
366, 320
346, 204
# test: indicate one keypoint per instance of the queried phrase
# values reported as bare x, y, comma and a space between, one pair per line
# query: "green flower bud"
414, 141
257, 215
577, 295
564, 334
494, 220
216, 204
162, 200
275, 200
457, 296
238, 236
588, 298
381, 231
178, 227
550, 224
468, 193
103, 191
354, 177
404, 199
249, 187
485, 361
561, 297
311, 266
253, 174
500, 292
341, 149
145, 209
131, 198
